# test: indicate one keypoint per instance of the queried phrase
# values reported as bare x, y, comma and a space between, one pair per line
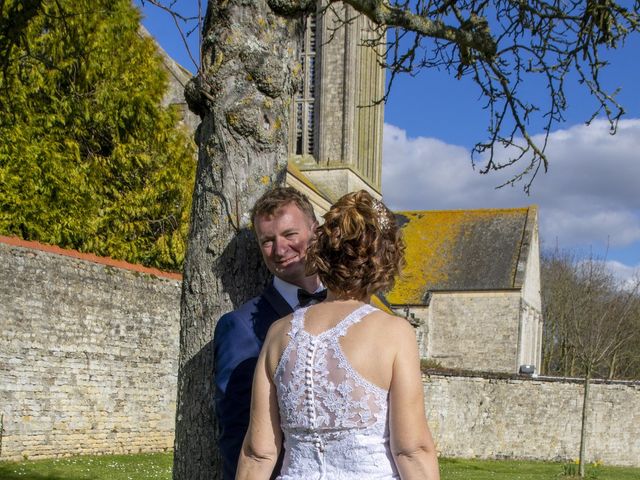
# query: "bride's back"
330, 406
367, 344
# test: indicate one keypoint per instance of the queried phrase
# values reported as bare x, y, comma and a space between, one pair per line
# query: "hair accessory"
383, 215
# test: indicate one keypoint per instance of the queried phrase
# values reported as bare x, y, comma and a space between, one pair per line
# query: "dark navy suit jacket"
237, 341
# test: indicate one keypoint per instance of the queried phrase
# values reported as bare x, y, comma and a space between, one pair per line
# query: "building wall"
475, 330
348, 120
333, 112
88, 356
531, 321
369, 116
319, 203
533, 418
531, 284
336, 182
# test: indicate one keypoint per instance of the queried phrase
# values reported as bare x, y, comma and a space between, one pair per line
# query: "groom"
284, 223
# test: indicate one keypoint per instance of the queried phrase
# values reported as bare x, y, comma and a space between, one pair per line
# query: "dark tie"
305, 298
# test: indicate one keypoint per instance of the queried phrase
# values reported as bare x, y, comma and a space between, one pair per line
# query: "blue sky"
588, 201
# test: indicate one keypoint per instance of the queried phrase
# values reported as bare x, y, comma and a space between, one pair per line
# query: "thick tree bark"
243, 94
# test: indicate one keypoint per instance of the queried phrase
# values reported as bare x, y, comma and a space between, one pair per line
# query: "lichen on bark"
243, 95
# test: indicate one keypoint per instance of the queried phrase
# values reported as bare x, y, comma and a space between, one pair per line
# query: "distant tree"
89, 158
625, 363
588, 312
590, 322
249, 72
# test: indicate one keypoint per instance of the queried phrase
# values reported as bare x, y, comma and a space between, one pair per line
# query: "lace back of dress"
318, 387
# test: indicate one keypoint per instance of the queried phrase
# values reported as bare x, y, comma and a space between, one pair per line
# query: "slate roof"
463, 250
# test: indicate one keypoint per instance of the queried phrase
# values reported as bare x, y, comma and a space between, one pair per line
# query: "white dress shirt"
290, 292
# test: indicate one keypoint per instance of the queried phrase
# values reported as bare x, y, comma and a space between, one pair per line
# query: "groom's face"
283, 238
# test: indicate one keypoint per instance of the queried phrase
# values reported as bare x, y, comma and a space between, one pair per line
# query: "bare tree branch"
503, 45
186, 25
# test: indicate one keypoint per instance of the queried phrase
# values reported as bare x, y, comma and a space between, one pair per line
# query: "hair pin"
383, 215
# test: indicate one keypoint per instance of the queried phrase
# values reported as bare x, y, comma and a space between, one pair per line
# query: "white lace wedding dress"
334, 421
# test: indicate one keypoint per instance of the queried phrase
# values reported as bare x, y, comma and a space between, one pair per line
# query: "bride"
340, 380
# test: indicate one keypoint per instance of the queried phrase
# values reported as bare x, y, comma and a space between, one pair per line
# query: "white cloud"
627, 275
589, 198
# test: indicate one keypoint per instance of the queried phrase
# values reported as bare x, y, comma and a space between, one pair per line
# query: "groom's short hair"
278, 197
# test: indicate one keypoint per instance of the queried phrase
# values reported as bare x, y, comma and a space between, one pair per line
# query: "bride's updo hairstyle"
359, 250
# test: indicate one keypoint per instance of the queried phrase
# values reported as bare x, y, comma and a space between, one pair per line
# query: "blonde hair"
359, 250
272, 200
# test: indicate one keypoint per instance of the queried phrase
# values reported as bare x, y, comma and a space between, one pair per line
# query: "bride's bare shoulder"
279, 330
277, 338
393, 326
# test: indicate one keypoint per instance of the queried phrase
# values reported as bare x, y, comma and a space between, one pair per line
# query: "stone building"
472, 287
177, 77
472, 284
337, 119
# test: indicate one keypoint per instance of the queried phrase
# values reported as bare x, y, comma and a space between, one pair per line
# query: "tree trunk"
243, 96
612, 365
583, 428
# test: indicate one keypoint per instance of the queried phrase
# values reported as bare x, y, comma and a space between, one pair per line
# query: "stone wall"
88, 354
88, 364
533, 418
475, 330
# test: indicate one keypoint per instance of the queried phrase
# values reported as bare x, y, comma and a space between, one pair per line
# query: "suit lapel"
270, 307
278, 303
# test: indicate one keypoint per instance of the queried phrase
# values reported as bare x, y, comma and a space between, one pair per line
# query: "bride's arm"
263, 440
411, 442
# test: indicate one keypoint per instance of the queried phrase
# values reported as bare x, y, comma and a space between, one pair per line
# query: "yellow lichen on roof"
432, 238
427, 235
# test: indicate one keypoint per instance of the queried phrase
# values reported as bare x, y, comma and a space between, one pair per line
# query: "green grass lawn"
458, 469
108, 467
158, 466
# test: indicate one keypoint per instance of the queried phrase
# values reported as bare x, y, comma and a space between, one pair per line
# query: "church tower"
336, 132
